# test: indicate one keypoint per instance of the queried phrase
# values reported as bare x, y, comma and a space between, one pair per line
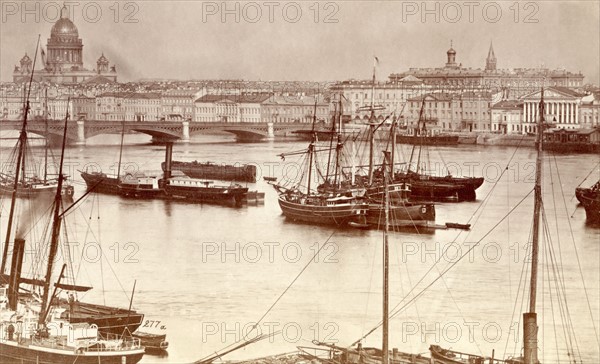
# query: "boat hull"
101, 183
110, 320
152, 342
34, 190
217, 195
339, 214
12, 352
442, 188
428, 140
592, 209
244, 173
403, 214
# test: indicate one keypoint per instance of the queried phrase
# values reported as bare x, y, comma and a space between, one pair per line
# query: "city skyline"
328, 40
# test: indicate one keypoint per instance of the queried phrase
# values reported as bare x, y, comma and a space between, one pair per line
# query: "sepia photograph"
300, 182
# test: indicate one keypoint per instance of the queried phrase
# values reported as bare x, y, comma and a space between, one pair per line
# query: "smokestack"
15, 273
168, 159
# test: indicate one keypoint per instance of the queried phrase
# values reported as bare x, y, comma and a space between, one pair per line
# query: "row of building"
173, 105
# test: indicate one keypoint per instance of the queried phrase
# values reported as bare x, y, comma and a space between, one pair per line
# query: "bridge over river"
160, 131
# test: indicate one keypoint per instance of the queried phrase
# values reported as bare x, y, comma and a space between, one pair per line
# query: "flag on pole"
43, 57
376, 61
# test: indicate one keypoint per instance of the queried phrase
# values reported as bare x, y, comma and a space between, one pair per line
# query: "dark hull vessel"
320, 210
208, 170
110, 320
33, 352
200, 191
592, 209
583, 193
152, 342
101, 182
427, 139
441, 188
402, 215
572, 147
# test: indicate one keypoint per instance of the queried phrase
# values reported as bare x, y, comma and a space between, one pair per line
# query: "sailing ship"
33, 328
32, 185
425, 186
330, 206
209, 170
530, 325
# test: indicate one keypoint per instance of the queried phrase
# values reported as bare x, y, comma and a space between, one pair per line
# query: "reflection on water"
209, 272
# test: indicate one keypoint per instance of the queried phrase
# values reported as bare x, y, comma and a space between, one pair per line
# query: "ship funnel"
15, 273
168, 159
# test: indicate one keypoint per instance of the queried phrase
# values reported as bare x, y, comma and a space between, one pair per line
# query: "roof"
508, 104
243, 98
98, 79
435, 96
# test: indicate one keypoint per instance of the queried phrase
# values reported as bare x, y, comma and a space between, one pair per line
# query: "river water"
207, 274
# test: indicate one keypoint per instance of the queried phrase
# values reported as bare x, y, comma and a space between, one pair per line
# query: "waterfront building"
462, 111
244, 108
129, 106
295, 108
561, 107
62, 62
178, 105
507, 117
388, 97
565, 110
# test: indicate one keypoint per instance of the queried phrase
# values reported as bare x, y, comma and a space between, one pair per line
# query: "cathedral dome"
64, 25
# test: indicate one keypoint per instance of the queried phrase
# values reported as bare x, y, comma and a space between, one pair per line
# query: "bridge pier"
80, 133
270, 131
185, 132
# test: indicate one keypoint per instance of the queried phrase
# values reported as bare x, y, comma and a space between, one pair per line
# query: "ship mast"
56, 222
311, 148
20, 156
384, 346
121, 150
46, 131
530, 327
372, 126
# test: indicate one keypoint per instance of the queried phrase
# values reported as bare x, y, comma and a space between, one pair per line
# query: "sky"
309, 40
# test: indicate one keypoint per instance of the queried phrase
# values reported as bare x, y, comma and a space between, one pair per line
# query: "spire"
491, 54
490, 62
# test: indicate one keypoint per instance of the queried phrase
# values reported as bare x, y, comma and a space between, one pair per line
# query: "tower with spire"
490, 62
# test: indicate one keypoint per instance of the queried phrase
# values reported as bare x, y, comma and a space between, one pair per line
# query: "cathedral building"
63, 59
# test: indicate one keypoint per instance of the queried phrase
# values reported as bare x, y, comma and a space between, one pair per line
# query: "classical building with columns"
561, 108
62, 61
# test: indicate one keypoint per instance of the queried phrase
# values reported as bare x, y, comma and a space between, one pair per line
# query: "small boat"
152, 342
455, 225
270, 179
210, 170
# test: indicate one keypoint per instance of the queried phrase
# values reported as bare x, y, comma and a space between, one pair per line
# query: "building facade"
518, 81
